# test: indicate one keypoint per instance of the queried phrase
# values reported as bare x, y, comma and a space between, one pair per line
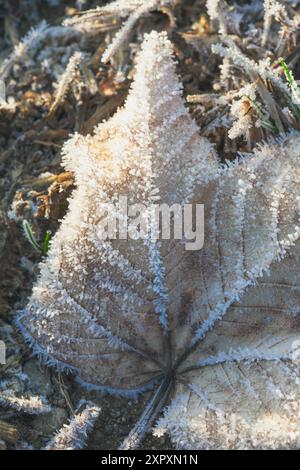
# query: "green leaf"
30, 236
46, 241
295, 90
263, 115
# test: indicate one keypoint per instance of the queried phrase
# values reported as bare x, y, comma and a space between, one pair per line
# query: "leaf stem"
153, 408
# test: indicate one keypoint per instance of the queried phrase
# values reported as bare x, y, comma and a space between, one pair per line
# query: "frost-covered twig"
124, 32
10, 103
262, 68
120, 8
242, 120
215, 11
74, 435
65, 80
31, 39
272, 9
29, 405
93, 19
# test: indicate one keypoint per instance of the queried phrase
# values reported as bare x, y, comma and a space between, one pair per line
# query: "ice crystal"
213, 329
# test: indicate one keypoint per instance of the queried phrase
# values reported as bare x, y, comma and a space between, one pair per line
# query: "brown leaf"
222, 323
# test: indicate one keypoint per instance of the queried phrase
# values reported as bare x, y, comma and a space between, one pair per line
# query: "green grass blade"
30, 236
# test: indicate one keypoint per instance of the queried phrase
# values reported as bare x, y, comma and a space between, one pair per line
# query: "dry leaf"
221, 323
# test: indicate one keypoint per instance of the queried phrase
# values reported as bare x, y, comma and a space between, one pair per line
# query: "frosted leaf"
220, 323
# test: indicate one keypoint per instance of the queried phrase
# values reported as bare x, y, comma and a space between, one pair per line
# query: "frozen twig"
73, 436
